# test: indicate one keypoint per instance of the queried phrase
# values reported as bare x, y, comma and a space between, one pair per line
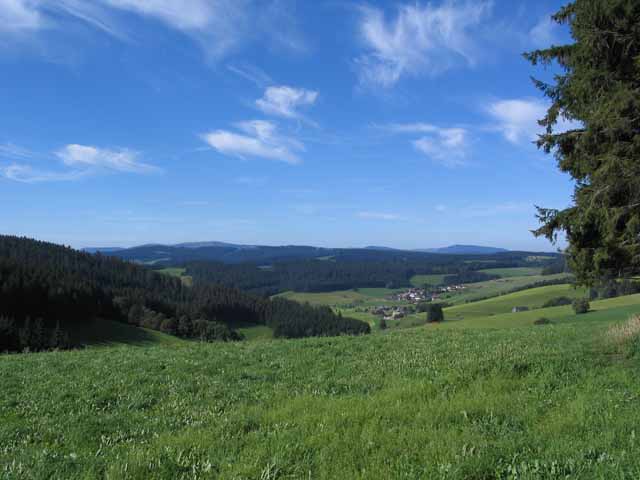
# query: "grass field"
361, 296
501, 286
177, 272
537, 402
601, 310
422, 280
532, 298
93, 333
513, 271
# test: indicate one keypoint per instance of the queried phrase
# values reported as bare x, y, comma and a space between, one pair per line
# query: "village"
415, 297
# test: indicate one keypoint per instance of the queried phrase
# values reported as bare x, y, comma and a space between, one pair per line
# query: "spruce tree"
599, 90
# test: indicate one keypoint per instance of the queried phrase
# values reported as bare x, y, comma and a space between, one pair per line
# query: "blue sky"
330, 123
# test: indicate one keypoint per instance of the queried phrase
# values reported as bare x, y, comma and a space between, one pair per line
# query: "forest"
46, 289
359, 269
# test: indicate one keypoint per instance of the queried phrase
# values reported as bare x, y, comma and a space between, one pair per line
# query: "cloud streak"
517, 119
217, 26
447, 146
285, 101
81, 160
368, 215
420, 39
259, 138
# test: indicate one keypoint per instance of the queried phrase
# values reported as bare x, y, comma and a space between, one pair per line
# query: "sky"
275, 122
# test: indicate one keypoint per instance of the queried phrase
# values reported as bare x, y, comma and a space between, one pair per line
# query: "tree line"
47, 289
357, 269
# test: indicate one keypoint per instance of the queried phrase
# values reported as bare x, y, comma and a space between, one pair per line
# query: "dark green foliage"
613, 288
422, 307
61, 287
435, 313
383, 324
468, 277
600, 90
557, 266
557, 302
581, 305
542, 321
353, 269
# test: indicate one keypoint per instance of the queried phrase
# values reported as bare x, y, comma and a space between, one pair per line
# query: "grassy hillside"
531, 298
601, 310
513, 272
103, 332
362, 296
492, 288
530, 403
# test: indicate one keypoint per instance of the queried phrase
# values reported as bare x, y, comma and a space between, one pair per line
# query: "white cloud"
18, 15
218, 26
84, 156
285, 101
27, 174
81, 160
379, 216
447, 146
517, 119
260, 139
544, 33
251, 73
9, 150
421, 39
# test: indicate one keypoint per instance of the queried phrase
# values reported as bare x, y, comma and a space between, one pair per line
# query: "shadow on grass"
109, 332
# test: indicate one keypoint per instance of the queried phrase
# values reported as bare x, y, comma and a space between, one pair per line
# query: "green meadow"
445, 402
513, 271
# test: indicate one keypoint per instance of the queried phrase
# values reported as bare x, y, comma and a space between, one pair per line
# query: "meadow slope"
529, 403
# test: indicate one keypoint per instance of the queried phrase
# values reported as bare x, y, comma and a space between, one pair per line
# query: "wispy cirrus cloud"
19, 16
27, 174
517, 119
369, 215
259, 138
218, 26
420, 39
81, 161
445, 145
545, 33
286, 101
11, 151
88, 157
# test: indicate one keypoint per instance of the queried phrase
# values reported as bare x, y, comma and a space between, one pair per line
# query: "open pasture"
532, 298
530, 403
492, 288
513, 271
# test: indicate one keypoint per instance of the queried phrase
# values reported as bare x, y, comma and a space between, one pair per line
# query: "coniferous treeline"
357, 269
47, 289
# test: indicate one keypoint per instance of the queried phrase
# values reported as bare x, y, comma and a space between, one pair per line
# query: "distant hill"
50, 293
102, 249
158, 254
464, 250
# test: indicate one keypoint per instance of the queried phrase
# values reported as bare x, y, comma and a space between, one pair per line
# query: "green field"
436, 402
177, 272
501, 286
93, 333
532, 298
433, 280
513, 271
361, 297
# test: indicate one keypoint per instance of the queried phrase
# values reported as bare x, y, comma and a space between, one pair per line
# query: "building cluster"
418, 295
392, 312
